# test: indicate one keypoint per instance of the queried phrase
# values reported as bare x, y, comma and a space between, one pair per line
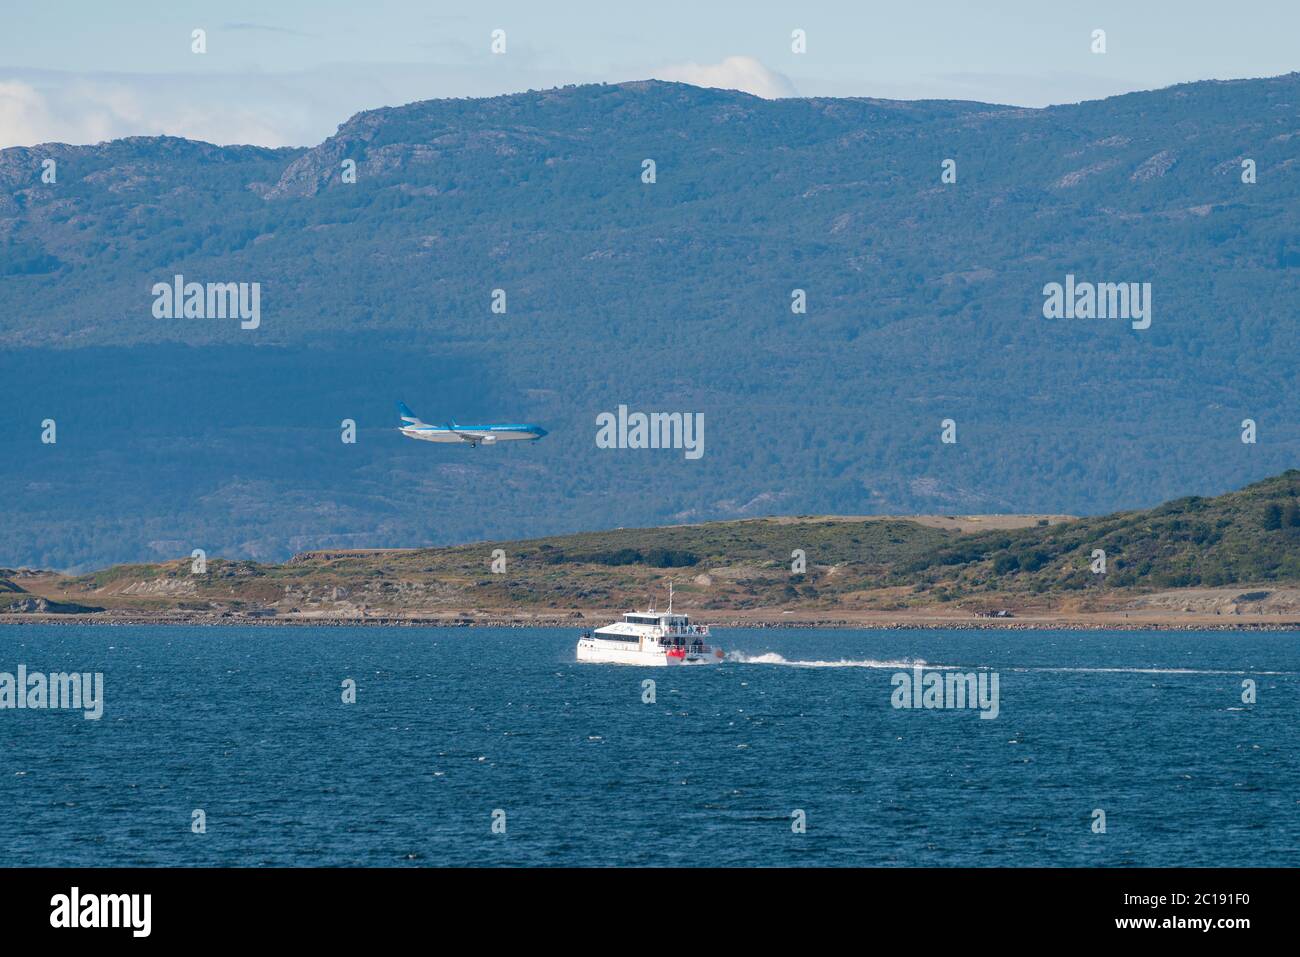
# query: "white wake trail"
1155, 671
772, 658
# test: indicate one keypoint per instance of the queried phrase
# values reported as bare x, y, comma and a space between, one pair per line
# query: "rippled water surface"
451, 725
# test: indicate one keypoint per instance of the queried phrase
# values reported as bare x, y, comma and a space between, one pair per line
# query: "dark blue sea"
451, 725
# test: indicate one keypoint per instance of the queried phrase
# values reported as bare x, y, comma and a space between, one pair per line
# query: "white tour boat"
650, 638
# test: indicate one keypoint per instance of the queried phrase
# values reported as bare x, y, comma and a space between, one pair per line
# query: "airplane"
475, 435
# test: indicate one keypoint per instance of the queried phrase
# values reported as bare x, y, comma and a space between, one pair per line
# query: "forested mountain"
924, 303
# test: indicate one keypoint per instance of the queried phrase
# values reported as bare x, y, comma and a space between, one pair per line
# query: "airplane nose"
540, 431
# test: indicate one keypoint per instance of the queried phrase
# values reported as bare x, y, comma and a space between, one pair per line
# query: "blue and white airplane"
475, 435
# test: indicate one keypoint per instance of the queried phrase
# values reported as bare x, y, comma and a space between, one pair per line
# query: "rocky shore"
488, 620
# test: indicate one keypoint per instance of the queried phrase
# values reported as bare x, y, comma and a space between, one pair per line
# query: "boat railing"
687, 631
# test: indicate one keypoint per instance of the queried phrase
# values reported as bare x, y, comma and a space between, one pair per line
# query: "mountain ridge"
924, 304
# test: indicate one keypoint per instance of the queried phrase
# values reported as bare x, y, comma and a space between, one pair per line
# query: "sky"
289, 72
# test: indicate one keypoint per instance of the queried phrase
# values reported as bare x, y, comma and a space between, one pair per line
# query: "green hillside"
1248, 540
1248, 536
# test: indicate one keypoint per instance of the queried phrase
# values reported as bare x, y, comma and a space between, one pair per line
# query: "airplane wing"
472, 436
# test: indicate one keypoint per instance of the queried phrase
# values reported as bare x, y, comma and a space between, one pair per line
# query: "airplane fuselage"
414, 427
473, 434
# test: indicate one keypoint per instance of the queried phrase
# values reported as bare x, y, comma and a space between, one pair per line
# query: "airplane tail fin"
408, 417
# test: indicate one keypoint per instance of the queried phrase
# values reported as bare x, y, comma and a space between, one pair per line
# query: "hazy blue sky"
288, 72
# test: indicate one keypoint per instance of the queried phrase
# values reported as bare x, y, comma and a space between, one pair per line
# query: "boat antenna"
670, 598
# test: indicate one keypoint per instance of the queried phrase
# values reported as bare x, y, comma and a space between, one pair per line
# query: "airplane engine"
489, 439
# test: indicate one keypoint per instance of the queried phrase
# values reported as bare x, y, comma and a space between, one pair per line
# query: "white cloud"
23, 116
284, 109
263, 109
742, 73
75, 108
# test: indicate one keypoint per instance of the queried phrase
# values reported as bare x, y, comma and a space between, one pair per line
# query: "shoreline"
1055, 623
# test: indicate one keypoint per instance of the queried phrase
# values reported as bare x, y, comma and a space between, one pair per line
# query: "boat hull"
608, 653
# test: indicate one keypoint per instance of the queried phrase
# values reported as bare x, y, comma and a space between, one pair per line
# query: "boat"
650, 638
